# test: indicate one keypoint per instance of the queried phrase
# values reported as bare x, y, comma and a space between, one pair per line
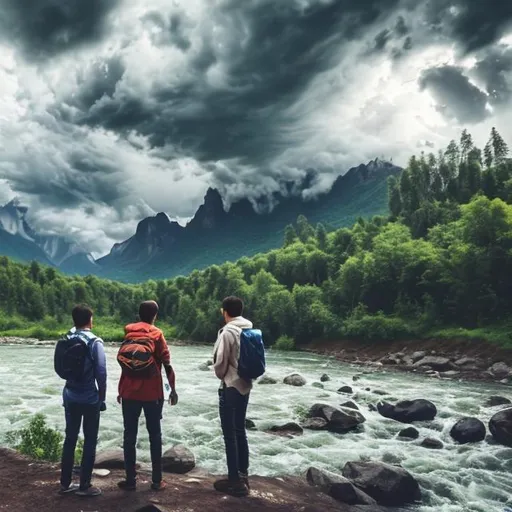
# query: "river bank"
191, 492
449, 359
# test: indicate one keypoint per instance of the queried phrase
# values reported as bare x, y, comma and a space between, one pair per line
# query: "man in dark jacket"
83, 401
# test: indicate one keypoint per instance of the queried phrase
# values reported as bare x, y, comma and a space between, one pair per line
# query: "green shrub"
285, 343
377, 327
37, 440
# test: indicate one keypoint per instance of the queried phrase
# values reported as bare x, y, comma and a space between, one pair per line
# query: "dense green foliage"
441, 261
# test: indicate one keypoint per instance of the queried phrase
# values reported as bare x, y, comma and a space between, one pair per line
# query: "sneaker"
90, 491
158, 486
237, 489
69, 490
126, 485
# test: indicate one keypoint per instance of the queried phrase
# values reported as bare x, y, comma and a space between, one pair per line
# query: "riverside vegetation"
438, 265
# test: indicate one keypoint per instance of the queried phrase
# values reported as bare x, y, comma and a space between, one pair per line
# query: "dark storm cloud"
285, 46
495, 71
43, 28
170, 31
457, 97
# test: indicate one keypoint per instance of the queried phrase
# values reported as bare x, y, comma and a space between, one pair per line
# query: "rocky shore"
465, 360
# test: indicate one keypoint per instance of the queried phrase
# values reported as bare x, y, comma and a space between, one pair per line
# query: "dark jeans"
131, 415
75, 413
232, 411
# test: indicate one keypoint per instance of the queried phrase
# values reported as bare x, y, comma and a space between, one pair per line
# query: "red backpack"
137, 358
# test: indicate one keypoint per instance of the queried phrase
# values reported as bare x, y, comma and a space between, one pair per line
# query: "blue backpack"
251, 363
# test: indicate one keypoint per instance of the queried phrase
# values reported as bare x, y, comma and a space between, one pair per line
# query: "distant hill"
161, 248
19, 241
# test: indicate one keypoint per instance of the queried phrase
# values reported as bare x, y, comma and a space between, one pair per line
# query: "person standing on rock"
234, 390
80, 360
141, 356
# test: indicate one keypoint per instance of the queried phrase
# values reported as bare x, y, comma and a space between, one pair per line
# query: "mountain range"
162, 248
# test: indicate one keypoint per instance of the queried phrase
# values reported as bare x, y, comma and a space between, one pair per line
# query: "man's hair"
82, 315
148, 311
233, 306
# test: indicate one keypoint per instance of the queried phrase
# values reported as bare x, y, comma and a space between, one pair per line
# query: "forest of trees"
442, 258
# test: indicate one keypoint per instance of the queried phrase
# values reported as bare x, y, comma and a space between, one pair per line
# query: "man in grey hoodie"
233, 398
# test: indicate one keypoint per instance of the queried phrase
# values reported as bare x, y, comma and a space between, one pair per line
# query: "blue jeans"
131, 414
232, 412
75, 413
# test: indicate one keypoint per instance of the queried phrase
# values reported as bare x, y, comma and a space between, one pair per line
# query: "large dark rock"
500, 426
468, 430
325, 378
295, 380
496, 400
440, 364
338, 487
388, 485
350, 405
249, 424
339, 421
409, 433
500, 370
408, 411
178, 459
345, 389
110, 459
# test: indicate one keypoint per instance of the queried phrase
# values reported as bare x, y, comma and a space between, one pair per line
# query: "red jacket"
147, 390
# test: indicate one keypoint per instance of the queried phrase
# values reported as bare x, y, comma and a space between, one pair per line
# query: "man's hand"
173, 398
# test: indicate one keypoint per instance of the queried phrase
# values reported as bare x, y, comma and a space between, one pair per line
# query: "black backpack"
70, 355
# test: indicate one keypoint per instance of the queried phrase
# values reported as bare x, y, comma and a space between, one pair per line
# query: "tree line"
443, 257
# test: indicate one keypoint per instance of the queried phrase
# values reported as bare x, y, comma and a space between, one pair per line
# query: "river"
470, 478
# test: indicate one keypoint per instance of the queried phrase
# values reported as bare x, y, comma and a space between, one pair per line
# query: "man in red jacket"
137, 394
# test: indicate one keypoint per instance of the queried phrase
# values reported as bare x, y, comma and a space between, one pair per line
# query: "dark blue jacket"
92, 388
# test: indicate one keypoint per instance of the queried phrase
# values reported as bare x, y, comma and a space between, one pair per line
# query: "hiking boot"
158, 486
68, 490
126, 485
90, 491
237, 489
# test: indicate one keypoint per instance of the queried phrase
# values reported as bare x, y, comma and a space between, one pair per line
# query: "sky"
114, 110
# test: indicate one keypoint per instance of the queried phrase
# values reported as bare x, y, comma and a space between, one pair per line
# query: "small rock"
295, 380
178, 459
111, 459
209, 362
346, 390
350, 405
153, 508
204, 367
102, 473
315, 424
496, 400
390, 360
288, 428
267, 380
325, 378
468, 430
466, 361
318, 385
432, 443
355, 378
409, 433
379, 392
416, 356
449, 374
249, 424
500, 426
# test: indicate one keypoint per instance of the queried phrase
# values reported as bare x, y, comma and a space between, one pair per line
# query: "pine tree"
466, 145
290, 235
321, 236
394, 198
499, 146
488, 155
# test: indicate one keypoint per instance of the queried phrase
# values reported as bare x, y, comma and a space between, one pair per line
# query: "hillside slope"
161, 248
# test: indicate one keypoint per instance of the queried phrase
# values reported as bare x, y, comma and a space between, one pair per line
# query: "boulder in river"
408, 411
409, 433
339, 421
325, 378
295, 380
468, 430
432, 443
249, 424
440, 364
346, 390
388, 485
350, 405
267, 380
416, 356
338, 487
204, 367
500, 371
466, 361
178, 459
290, 428
318, 385
315, 424
496, 400
500, 426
